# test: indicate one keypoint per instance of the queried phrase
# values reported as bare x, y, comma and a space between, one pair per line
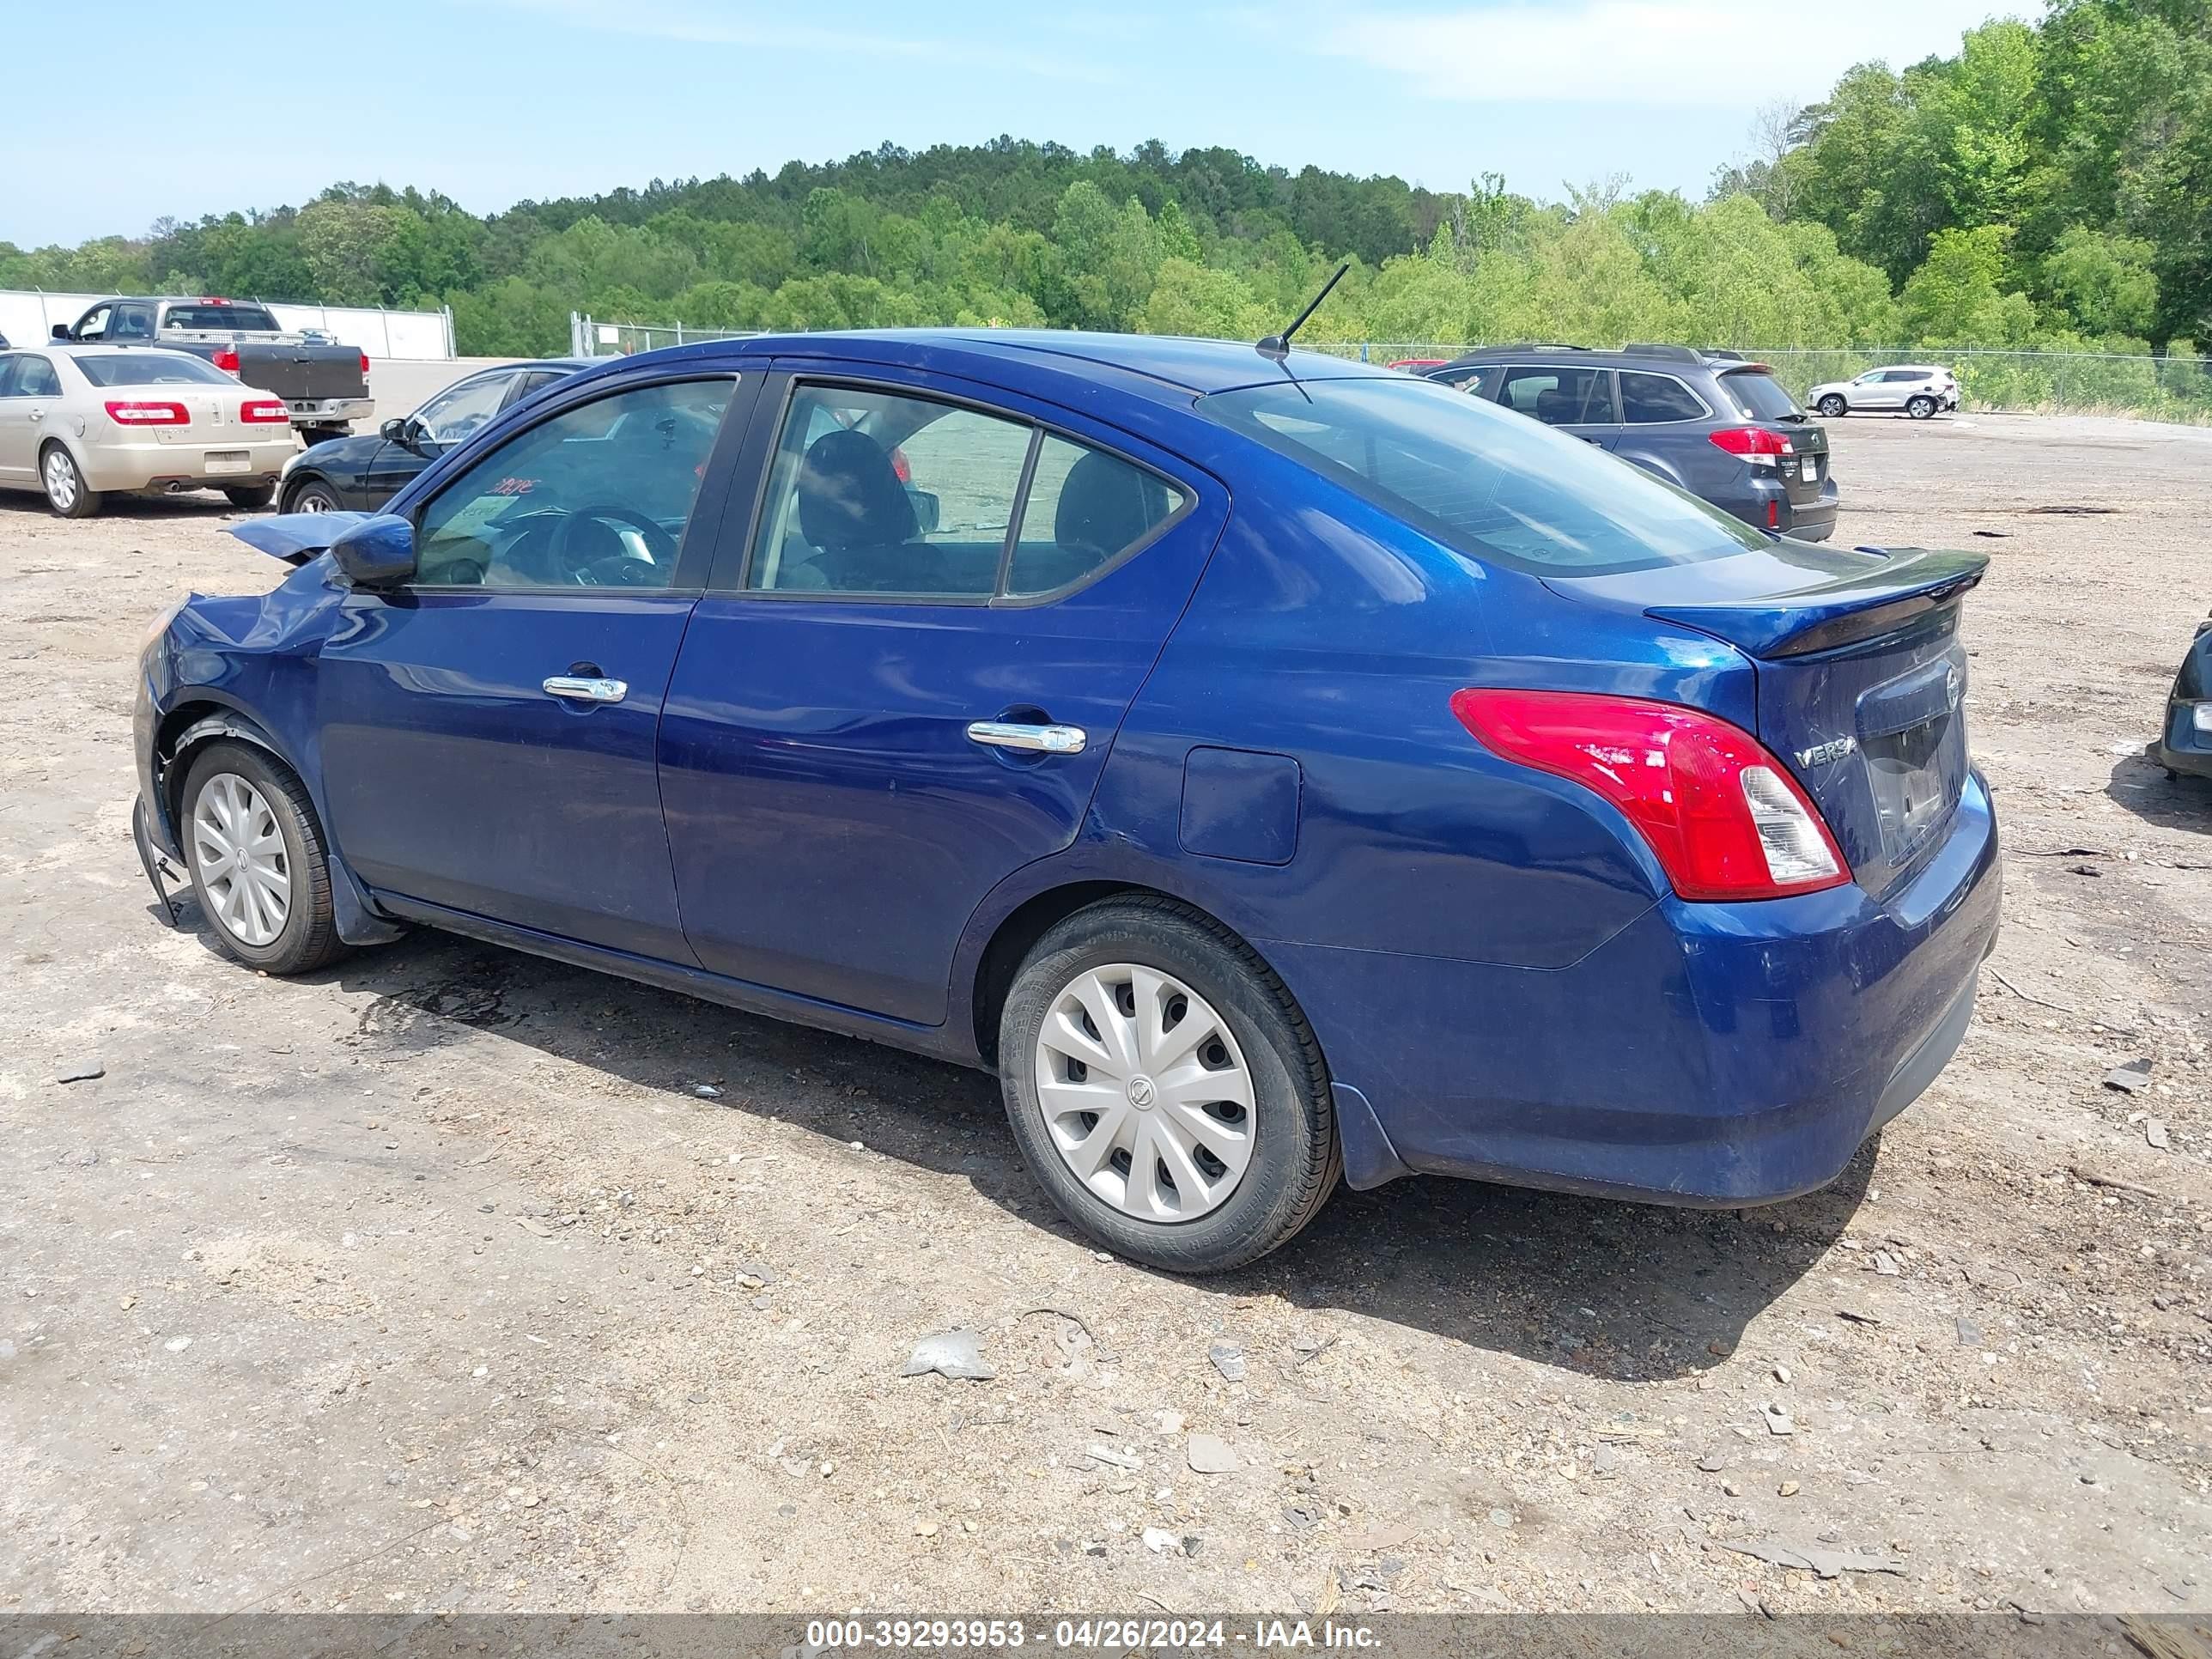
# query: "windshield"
251, 319
1483, 480
150, 368
1760, 397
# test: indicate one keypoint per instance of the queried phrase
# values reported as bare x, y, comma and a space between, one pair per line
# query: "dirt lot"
434, 1282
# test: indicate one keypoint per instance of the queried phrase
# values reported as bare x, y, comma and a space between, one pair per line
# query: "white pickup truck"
324, 386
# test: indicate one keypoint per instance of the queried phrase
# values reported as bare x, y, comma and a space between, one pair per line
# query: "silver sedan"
80, 421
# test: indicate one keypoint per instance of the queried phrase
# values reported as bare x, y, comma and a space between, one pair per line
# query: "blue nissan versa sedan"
1272, 766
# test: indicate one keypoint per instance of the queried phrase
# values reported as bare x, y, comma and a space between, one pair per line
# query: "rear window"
1482, 480
1760, 396
253, 318
150, 368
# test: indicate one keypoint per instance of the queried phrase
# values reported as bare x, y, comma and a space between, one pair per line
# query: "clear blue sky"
492, 100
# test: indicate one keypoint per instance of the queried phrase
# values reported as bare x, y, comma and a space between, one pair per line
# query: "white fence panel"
28, 317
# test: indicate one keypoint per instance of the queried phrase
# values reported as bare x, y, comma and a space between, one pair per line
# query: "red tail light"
225, 360
136, 413
1723, 816
263, 411
364, 366
902, 469
1752, 442
1773, 513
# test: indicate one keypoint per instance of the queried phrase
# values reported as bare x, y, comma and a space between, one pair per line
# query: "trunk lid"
1862, 677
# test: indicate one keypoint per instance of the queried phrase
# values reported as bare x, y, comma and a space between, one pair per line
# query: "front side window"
93, 326
456, 412
1560, 396
1653, 399
144, 367
871, 492
598, 496
1480, 481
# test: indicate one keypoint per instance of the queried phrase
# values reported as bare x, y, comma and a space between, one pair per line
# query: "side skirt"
936, 1042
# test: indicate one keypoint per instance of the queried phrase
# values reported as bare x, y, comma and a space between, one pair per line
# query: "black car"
1722, 428
2185, 745
363, 472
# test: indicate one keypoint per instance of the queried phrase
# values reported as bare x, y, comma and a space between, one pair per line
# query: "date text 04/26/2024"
1112, 1635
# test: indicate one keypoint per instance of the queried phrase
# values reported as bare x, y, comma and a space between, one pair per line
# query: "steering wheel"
611, 572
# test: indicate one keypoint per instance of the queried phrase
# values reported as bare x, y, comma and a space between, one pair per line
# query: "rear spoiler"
1910, 584
295, 537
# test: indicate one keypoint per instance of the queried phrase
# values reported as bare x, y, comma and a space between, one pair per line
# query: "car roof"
87, 348
1656, 359
1164, 369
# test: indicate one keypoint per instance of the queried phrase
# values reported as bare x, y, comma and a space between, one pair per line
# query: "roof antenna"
1278, 346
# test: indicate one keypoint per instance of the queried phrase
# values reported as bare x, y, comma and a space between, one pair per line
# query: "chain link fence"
2073, 382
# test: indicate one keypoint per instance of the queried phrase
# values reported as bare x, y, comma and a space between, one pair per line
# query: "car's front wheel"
255, 853
1830, 407
67, 493
1921, 407
1165, 1088
312, 497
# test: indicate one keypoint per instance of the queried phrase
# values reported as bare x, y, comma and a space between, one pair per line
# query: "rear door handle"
578, 689
1035, 739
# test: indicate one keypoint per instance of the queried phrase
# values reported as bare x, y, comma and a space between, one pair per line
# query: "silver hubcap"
314, 501
1145, 1093
61, 480
238, 849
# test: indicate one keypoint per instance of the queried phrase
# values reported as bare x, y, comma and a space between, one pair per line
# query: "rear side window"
874, 492
1758, 395
253, 318
1085, 509
150, 368
28, 377
1560, 397
1651, 399
1485, 483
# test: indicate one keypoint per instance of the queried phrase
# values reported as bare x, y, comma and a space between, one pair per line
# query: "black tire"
1295, 1158
309, 937
67, 493
1921, 407
1831, 407
251, 499
311, 496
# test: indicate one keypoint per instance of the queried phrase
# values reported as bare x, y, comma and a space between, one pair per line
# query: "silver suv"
1920, 390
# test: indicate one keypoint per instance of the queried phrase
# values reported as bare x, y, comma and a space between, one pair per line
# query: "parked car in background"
1724, 429
1920, 390
1272, 766
324, 386
2184, 744
82, 422
364, 471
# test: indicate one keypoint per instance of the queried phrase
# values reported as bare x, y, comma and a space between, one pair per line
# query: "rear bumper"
1709, 1054
329, 411
136, 466
1764, 504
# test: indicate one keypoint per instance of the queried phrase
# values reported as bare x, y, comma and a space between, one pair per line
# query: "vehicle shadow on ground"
1601, 1288
2140, 785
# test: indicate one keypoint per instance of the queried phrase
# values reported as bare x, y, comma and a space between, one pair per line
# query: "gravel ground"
434, 1282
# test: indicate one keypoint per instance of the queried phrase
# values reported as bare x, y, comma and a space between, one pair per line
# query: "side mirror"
394, 431
927, 509
61, 334
376, 552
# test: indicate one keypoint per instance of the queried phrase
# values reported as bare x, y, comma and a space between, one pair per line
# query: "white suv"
1921, 389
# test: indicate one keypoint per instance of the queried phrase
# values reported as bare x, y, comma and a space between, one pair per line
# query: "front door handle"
1035, 739
577, 688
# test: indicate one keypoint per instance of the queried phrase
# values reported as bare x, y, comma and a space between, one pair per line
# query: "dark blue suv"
1724, 429
1275, 768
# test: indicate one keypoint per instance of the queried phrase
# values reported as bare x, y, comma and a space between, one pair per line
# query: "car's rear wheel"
1164, 1088
1921, 407
67, 493
1830, 407
251, 500
312, 496
255, 853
